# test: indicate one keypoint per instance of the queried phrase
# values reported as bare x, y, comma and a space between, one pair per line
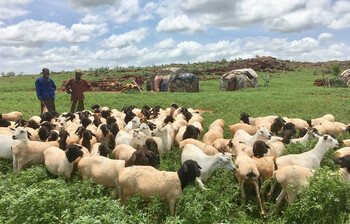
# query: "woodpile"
321, 82
106, 84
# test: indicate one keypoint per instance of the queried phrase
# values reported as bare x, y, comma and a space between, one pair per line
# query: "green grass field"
34, 196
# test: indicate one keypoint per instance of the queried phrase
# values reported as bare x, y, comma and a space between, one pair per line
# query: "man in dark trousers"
45, 91
77, 86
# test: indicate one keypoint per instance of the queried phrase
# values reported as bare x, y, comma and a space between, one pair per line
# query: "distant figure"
45, 91
77, 86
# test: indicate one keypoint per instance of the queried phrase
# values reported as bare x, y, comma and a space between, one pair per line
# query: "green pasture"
34, 196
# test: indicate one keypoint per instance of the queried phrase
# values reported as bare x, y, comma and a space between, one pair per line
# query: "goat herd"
141, 138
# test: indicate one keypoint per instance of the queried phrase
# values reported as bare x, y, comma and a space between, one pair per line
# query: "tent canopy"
345, 74
239, 79
174, 79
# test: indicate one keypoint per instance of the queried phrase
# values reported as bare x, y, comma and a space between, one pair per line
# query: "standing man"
45, 91
77, 86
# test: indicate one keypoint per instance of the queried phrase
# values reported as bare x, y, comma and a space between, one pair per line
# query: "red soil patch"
204, 111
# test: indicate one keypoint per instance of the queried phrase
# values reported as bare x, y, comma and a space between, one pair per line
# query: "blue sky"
70, 34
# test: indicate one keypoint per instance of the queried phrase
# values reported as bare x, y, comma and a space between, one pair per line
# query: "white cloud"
130, 38
37, 33
123, 12
84, 4
169, 51
147, 12
167, 43
281, 16
342, 6
17, 52
341, 23
92, 18
181, 24
13, 8
325, 36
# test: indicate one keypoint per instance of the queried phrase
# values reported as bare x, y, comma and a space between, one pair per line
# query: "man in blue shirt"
45, 90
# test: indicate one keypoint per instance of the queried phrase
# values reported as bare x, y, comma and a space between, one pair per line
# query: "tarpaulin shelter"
345, 74
239, 79
174, 80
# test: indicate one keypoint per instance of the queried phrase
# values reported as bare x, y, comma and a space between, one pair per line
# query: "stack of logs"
108, 84
321, 82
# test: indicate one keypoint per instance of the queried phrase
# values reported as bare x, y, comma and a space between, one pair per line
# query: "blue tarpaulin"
188, 77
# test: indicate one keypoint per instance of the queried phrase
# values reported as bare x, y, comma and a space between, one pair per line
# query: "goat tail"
251, 174
274, 162
348, 128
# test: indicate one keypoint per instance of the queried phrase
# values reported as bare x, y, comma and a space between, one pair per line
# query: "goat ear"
185, 169
12, 129
197, 129
230, 144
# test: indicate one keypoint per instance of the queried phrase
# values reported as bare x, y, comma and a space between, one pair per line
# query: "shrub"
266, 79
336, 70
324, 200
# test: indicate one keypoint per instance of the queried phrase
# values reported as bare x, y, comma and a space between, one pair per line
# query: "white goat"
291, 175
148, 182
261, 134
207, 149
59, 162
310, 159
246, 171
165, 135
28, 151
136, 139
208, 163
133, 124
12, 116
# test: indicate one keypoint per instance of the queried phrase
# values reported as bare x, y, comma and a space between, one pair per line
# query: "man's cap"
78, 71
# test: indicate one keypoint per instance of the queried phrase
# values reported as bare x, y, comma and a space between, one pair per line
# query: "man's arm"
68, 87
53, 85
87, 86
37, 87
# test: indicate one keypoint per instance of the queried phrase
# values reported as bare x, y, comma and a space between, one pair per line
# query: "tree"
336, 69
10, 74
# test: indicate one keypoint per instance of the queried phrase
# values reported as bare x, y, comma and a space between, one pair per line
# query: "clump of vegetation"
324, 200
144, 73
8, 74
336, 70
315, 72
99, 71
266, 79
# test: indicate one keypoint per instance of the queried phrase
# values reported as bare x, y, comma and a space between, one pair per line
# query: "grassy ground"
34, 196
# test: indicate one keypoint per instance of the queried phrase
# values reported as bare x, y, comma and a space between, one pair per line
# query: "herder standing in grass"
45, 91
77, 86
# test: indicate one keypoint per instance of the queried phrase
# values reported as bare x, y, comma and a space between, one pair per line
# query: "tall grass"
34, 196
